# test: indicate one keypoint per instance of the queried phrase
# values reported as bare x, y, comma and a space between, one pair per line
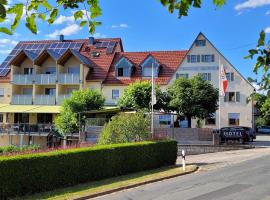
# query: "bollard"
184, 160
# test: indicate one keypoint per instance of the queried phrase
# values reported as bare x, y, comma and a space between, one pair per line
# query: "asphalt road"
249, 180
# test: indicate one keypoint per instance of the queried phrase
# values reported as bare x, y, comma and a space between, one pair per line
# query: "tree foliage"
126, 127
262, 55
264, 118
85, 12
80, 101
138, 96
193, 97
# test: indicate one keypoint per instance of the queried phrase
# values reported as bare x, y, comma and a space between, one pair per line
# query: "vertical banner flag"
223, 81
154, 98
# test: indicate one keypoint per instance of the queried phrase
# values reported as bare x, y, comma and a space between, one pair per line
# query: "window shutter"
188, 58
213, 58
226, 97
232, 76
209, 76
237, 96
198, 58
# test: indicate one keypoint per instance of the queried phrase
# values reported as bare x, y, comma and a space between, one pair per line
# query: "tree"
126, 127
86, 11
193, 97
138, 96
264, 119
80, 101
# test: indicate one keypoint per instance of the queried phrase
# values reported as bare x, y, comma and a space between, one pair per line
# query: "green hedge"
32, 173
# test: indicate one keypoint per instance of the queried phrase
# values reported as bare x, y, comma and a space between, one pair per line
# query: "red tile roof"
169, 60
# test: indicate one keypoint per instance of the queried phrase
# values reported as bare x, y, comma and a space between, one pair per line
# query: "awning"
45, 109
7, 108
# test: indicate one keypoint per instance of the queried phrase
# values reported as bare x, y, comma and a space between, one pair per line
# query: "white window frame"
230, 76
180, 75
236, 118
193, 58
200, 43
207, 58
213, 117
237, 97
206, 76
113, 94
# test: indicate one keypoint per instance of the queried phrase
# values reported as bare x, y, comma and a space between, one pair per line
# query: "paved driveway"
262, 141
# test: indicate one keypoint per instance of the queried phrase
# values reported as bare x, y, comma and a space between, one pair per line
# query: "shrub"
126, 127
13, 148
31, 173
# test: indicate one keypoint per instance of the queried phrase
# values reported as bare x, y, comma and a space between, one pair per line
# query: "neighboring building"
38, 75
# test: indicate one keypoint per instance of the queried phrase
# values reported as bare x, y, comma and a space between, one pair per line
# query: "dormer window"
200, 43
147, 67
123, 68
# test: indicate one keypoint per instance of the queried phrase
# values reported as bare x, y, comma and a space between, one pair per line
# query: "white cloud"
251, 4
268, 12
4, 42
120, 26
5, 51
69, 30
99, 35
267, 30
64, 19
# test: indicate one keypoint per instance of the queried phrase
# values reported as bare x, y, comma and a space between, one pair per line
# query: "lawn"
96, 187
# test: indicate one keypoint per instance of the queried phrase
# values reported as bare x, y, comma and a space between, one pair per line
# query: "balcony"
22, 79
21, 99
44, 100
45, 79
69, 79
62, 98
26, 128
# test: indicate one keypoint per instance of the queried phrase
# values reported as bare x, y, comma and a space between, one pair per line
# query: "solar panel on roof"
36, 48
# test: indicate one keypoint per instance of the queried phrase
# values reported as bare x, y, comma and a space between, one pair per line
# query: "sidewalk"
212, 161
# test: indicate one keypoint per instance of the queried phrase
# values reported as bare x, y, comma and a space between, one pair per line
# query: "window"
28, 71
50, 70
206, 76
234, 119
21, 118
230, 76
208, 58
27, 91
44, 118
2, 91
115, 94
181, 75
147, 67
211, 120
1, 118
120, 72
232, 97
123, 68
147, 72
200, 43
74, 70
164, 119
193, 58
50, 91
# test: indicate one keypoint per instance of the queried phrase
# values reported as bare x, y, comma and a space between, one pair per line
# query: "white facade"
233, 109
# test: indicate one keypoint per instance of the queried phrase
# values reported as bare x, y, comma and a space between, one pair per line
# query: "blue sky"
147, 25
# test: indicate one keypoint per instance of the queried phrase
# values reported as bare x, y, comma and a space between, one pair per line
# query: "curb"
134, 185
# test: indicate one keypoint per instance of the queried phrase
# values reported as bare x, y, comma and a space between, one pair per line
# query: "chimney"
61, 38
91, 40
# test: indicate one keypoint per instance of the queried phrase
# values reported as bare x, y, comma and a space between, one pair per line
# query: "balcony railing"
44, 100
21, 99
69, 79
45, 79
22, 79
26, 128
62, 98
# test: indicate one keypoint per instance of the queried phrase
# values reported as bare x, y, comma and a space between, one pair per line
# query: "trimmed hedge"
32, 173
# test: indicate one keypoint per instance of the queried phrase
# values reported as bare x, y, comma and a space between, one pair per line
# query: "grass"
109, 184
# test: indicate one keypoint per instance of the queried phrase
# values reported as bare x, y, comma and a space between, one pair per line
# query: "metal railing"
22, 79
25, 128
45, 100
69, 79
21, 99
45, 79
